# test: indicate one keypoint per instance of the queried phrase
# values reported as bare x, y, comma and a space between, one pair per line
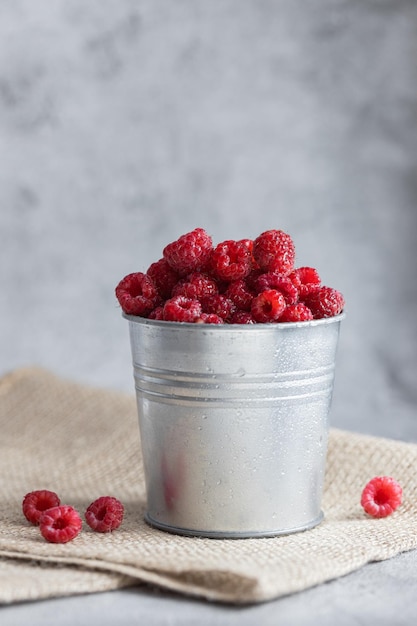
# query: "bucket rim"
260, 327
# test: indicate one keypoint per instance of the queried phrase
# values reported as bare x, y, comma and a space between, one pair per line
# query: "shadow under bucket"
234, 424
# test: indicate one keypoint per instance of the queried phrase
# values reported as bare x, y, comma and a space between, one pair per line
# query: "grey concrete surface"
125, 123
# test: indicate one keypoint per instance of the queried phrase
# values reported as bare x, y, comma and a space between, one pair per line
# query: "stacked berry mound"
235, 282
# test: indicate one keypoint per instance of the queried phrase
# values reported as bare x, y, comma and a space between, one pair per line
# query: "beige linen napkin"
83, 442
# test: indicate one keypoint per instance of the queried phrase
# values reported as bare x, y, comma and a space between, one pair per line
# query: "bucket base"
219, 534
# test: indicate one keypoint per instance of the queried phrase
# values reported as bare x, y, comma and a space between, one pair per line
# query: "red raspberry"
381, 496
190, 252
163, 276
306, 279
210, 318
325, 302
36, 502
219, 305
137, 294
242, 317
274, 251
296, 313
275, 280
104, 514
248, 243
157, 313
231, 260
60, 524
182, 309
195, 286
240, 294
268, 306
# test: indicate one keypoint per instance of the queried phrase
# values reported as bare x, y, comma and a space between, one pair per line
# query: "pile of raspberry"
235, 282
60, 523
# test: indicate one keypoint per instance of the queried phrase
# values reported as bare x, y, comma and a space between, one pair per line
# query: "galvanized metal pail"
234, 424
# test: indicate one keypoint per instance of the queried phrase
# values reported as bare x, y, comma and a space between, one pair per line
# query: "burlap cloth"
83, 442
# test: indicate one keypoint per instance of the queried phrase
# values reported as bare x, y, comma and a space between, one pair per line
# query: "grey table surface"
124, 124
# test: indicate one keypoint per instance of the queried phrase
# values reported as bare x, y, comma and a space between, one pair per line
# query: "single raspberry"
209, 318
157, 313
275, 280
242, 317
381, 496
195, 286
274, 251
324, 302
248, 243
36, 502
164, 277
239, 293
296, 313
182, 309
231, 260
137, 294
104, 514
219, 305
190, 252
60, 524
306, 279
268, 306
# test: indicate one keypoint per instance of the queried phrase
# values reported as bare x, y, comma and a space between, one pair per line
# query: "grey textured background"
124, 124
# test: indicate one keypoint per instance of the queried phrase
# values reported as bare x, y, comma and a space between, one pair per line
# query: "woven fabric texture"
83, 442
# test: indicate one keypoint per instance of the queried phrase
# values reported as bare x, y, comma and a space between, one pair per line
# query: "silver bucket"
234, 424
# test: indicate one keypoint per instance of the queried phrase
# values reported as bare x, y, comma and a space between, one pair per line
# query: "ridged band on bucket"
227, 390
234, 423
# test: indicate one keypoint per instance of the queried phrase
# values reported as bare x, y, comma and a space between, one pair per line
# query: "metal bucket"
234, 424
